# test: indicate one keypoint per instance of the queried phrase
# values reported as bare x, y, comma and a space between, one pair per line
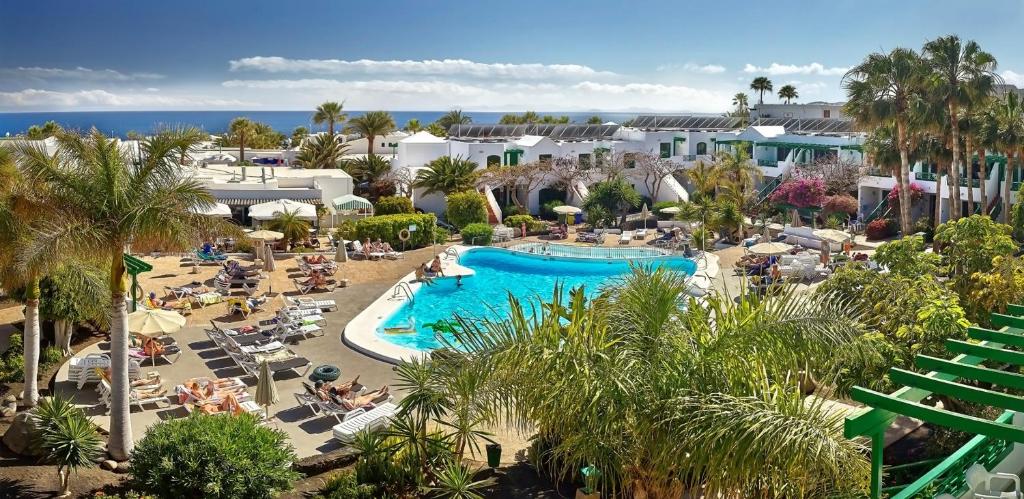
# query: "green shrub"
477, 234
387, 227
51, 355
212, 456
466, 208
532, 224
547, 210
346, 230
244, 245
344, 485
512, 210
393, 205
656, 209
441, 235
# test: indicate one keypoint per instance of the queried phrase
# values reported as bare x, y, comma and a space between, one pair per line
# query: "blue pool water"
498, 272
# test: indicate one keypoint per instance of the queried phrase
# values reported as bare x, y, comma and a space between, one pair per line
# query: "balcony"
926, 176
877, 172
768, 163
975, 182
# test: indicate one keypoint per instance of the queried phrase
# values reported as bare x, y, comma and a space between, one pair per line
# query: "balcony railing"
975, 182
877, 172
768, 162
926, 176
687, 157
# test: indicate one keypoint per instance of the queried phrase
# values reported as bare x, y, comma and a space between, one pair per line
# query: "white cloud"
693, 68
78, 73
1013, 78
99, 99
775, 69
440, 67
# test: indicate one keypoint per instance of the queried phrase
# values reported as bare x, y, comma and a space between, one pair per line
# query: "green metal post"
135, 288
877, 447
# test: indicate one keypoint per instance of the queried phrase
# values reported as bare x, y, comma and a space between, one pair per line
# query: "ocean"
119, 123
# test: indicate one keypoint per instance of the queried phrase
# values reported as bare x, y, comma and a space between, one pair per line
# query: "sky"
477, 55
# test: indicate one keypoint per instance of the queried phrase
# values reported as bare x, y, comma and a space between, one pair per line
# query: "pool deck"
361, 333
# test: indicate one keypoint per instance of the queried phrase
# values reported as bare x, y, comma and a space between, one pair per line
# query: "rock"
8, 411
109, 464
123, 467
19, 435
10, 399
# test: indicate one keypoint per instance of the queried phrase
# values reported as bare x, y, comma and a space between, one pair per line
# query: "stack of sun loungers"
82, 370
378, 417
596, 237
310, 303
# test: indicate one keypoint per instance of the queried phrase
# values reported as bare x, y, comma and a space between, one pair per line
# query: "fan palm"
704, 177
66, 437
961, 74
329, 112
985, 132
881, 90
788, 92
243, 129
412, 126
370, 125
185, 138
322, 151
454, 117
108, 198
295, 229
447, 175
761, 84
373, 173
741, 102
1009, 116
665, 396
298, 135
737, 168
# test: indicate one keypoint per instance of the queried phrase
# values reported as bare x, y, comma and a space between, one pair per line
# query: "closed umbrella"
770, 248
268, 260
266, 390
644, 214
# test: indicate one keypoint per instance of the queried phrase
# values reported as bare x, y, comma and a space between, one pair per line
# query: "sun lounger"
209, 258
293, 364
134, 398
640, 234
325, 305
320, 407
626, 237
82, 369
378, 417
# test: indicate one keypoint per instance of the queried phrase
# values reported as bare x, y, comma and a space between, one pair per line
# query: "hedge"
880, 229
477, 234
387, 227
466, 208
393, 205
532, 224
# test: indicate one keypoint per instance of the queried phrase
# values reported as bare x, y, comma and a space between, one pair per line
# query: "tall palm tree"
412, 126
788, 92
295, 229
370, 125
761, 84
985, 133
881, 90
742, 104
329, 112
244, 130
298, 135
693, 400
961, 73
454, 117
704, 176
447, 175
185, 138
110, 197
1009, 116
737, 168
322, 151
373, 175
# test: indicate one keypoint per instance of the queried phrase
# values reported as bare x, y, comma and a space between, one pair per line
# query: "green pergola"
134, 267
949, 377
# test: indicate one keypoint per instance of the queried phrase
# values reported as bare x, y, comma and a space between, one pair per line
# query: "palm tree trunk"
31, 344
955, 167
120, 443
983, 175
954, 189
969, 173
330, 128
1007, 183
904, 179
369, 145
62, 335
241, 149
64, 479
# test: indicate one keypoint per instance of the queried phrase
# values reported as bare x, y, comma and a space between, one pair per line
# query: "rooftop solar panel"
555, 132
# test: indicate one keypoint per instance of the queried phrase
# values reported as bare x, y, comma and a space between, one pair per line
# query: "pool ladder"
451, 252
403, 288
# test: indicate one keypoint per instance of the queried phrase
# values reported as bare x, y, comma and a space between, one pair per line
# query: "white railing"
493, 203
592, 252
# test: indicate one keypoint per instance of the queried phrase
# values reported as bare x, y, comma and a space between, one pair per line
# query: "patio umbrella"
266, 390
832, 235
155, 322
770, 248
265, 235
215, 210
644, 214
566, 210
671, 209
270, 209
268, 260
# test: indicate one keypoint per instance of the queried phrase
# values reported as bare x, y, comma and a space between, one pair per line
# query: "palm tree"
454, 117
329, 112
594, 120
67, 438
185, 138
693, 400
704, 177
1009, 116
109, 198
788, 92
298, 135
447, 175
242, 129
737, 169
961, 73
985, 130
881, 90
761, 84
370, 125
373, 175
412, 126
322, 151
742, 104
295, 229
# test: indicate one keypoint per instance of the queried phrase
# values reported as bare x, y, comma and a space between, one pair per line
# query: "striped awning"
250, 201
350, 202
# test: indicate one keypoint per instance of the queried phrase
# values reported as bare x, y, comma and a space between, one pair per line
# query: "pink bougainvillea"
916, 192
801, 193
840, 203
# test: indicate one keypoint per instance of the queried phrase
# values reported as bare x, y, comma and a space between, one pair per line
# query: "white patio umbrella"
266, 390
216, 210
671, 209
154, 322
832, 235
567, 210
265, 235
269, 210
770, 248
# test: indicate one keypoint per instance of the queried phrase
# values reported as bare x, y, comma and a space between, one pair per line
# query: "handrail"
451, 251
405, 288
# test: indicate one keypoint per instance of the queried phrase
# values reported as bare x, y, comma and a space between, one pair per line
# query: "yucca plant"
455, 481
67, 438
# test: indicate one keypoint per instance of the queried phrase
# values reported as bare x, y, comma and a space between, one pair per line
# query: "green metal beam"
986, 352
956, 390
1004, 337
942, 417
976, 373
1003, 320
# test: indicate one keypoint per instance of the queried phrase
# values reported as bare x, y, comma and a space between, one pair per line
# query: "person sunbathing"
421, 275
145, 393
326, 390
316, 279
367, 248
315, 259
230, 405
154, 303
368, 399
383, 247
435, 266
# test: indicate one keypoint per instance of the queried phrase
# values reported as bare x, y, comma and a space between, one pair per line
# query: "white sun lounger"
626, 237
81, 368
133, 398
640, 234
302, 302
378, 417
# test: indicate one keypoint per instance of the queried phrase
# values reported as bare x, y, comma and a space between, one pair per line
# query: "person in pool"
435, 266
458, 281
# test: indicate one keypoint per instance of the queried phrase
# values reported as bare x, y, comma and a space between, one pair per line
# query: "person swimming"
458, 281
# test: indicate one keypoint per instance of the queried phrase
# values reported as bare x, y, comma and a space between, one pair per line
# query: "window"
679, 146
629, 159
666, 149
827, 113
544, 158
702, 148
584, 161
494, 160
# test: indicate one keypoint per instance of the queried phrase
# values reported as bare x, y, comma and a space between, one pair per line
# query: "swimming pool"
497, 273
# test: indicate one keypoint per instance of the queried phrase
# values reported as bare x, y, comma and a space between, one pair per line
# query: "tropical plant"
373, 175
741, 105
880, 228
391, 205
185, 139
322, 151
437, 130
788, 92
412, 126
453, 117
961, 75
478, 234
761, 84
906, 257
1009, 119
447, 175
685, 406
455, 481
704, 177
329, 112
388, 228
49, 129
800, 193
345, 485
594, 120
299, 134
881, 91
371, 125
66, 437
109, 198
241, 130
294, 228
464, 208
969, 245
610, 199
213, 456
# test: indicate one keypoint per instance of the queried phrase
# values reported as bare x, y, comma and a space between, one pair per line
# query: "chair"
210, 258
82, 369
377, 417
640, 234
979, 481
